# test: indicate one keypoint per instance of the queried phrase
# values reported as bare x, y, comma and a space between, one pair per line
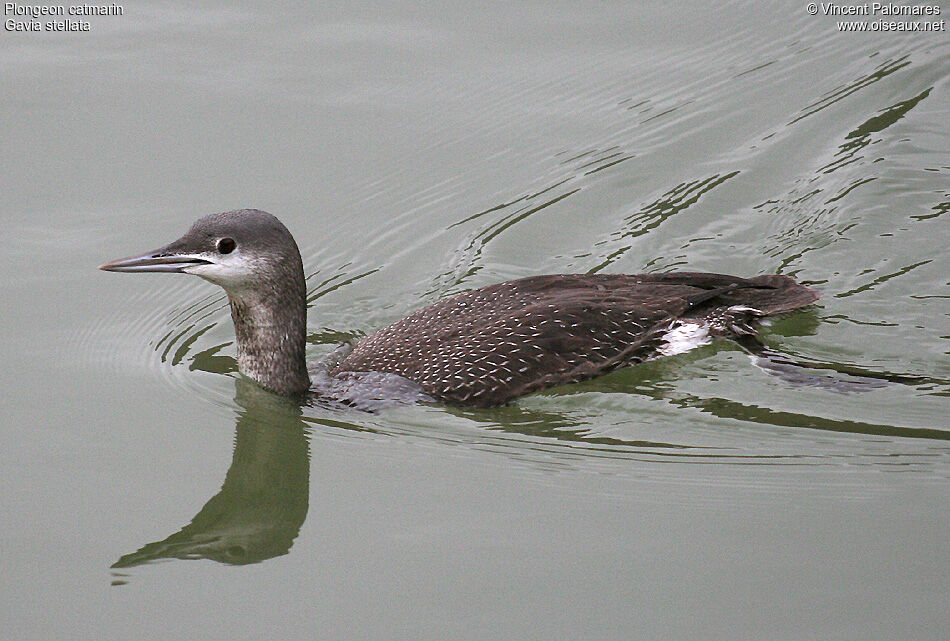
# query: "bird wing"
489, 345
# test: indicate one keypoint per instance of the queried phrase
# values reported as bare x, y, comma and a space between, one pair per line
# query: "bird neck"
270, 324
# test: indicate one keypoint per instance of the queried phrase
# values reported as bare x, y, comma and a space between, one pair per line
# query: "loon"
479, 348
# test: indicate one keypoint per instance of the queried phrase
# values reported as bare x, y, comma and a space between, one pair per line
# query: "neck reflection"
263, 501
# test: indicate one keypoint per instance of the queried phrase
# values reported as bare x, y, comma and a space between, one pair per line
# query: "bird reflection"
264, 499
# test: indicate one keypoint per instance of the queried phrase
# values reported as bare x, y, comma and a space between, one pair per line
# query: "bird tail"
771, 294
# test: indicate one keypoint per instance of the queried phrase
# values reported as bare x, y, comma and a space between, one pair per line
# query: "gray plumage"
483, 347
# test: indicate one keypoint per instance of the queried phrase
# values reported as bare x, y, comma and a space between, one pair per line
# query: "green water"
417, 152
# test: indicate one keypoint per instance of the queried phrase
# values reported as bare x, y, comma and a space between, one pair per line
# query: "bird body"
482, 347
490, 345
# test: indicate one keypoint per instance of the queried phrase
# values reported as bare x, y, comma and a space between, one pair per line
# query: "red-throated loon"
483, 347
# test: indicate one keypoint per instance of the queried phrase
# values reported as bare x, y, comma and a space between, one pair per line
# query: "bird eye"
226, 245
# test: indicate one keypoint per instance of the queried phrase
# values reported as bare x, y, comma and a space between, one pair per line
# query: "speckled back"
489, 345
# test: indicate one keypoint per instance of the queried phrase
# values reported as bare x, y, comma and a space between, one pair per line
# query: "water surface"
414, 153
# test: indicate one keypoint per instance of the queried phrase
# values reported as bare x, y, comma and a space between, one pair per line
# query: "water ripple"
841, 92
